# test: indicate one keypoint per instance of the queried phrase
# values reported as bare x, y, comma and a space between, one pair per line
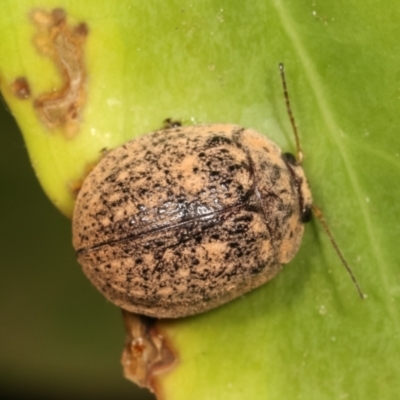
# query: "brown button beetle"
185, 219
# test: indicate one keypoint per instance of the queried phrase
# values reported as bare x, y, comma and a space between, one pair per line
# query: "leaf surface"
304, 335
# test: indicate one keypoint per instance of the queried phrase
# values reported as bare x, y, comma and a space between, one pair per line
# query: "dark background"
59, 339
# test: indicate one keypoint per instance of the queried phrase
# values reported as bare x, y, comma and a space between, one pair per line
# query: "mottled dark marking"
204, 216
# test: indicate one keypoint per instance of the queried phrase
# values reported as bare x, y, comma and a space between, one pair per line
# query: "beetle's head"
301, 184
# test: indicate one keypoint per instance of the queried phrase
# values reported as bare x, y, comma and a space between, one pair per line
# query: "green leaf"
305, 334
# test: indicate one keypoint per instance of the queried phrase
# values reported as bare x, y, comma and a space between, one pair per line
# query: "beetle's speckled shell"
185, 219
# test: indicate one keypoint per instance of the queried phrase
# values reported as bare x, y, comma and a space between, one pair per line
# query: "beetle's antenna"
318, 213
290, 113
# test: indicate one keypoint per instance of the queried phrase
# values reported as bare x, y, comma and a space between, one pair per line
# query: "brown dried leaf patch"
147, 352
64, 44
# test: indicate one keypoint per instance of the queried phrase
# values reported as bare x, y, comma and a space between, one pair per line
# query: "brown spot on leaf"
171, 123
147, 353
75, 186
81, 30
20, 88
64, 45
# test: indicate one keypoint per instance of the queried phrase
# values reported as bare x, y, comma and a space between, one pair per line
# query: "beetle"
187, 218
